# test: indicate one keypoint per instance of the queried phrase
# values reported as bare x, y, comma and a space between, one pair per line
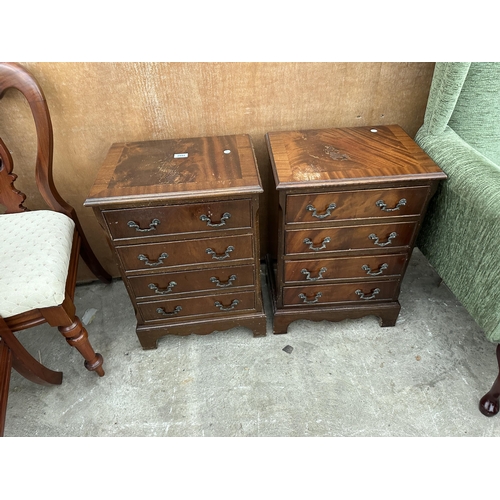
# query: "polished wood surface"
349, 238
489, 404
187, 282
323, 269
176, 169
347, 156
182, 219
219, 305
14, 76
177, 219
349, 204
319, 295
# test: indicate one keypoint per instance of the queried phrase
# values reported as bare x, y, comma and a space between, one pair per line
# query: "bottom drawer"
319, 295
214, 305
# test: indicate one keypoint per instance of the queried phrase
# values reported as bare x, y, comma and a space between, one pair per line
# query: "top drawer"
175, 219
316, 207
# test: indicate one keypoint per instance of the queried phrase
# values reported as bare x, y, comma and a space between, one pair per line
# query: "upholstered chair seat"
36, 249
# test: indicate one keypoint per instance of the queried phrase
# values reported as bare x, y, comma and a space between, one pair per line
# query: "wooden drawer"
177, 219
361, 292
317, 207
375, 236
218, 279
179, 253
312, 271
218, 305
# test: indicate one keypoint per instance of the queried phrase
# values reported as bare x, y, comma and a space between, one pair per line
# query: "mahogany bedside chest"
349, 204
181, 218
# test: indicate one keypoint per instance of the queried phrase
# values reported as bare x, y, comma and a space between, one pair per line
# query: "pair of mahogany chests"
182, 218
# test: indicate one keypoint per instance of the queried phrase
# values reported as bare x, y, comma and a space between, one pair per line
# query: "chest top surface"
200, 167
347, 156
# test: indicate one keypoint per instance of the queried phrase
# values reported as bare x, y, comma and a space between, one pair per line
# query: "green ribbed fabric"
461, 233
476, 117
446, 85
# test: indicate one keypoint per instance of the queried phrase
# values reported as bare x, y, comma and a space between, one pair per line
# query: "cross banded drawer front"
334, 239
344, 205
200, 280
360, 292
178, 219
188, 252
219, 305
311, 271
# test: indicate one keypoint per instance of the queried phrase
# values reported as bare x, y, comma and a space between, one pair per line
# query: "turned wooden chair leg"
489, 405
65, 319
77, 336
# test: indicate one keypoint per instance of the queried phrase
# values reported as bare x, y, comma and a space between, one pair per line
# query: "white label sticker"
181, 155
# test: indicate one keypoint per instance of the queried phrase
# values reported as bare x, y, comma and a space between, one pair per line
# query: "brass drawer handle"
229, 281
328, 212
177, 309
223, 256
306, 301
307, 241
162, 291
151, 227
383, 206
308, 274
380, 269
388, 242
234, 303
146, 260
208, 220
367, 297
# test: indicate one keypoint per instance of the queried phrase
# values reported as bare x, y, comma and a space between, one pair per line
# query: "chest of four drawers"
346, 223
188, 255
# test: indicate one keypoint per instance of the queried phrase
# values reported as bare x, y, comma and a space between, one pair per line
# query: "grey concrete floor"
423, 377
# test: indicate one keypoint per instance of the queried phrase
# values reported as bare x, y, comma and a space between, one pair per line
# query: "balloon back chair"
39, 254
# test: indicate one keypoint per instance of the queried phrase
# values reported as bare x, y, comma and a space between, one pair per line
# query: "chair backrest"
476, 116
15, 76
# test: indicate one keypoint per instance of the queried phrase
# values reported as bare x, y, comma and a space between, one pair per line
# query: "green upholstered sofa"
461, 233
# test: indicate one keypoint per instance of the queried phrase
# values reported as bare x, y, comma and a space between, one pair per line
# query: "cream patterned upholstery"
35, 250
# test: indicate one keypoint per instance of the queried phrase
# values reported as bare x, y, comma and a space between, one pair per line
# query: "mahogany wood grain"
178, 219
144, 171
343, 268
334, 239
318, 295
349, 205
193, 205
217, 305
167, 283
348, 156
362, 204
169, 254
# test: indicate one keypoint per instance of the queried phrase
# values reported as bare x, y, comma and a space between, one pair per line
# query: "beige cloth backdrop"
95, 104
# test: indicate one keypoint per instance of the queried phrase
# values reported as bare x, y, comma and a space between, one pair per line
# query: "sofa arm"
471, 175
461, 233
